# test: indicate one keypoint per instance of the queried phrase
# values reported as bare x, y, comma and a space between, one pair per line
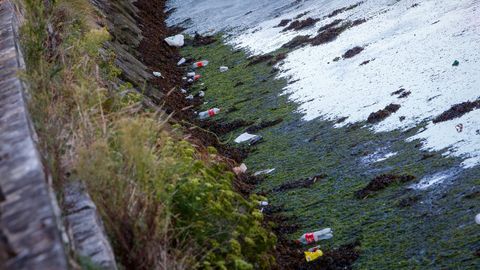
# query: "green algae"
434, 230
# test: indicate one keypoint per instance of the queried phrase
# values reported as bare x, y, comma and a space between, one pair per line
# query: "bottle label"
199, 64
211, 112
309, 238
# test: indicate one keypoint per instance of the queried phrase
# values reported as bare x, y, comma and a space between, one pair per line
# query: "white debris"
181, 61
183, 91
223, 69
240, 169
191, 74
268, 171
175, 41
477, 219
189, 97
247, 137
263, 203
201, 94
157, 74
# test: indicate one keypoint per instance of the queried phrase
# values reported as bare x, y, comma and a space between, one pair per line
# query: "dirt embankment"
158, 56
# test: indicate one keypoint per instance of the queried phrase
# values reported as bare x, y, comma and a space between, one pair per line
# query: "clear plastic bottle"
309, 238
200, 64
209, 113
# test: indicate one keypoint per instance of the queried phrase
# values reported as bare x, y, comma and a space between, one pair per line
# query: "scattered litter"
191, 74
184, 78
189, 97
477, 219
455, 63
200, 64
157, 74
183, 91
309, 238
175, 41
197, 77
209, 113
264, 172
223, 69
247, 137
263, 203
201, 94
240, 169
459, 128
181, 61
313, 253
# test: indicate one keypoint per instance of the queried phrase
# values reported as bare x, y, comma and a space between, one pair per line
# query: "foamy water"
411, 47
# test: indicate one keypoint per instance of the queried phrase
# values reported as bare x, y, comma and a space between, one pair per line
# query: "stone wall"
30, 237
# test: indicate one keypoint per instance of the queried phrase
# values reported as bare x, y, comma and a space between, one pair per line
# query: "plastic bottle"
181, 61
209, 113
200, 64
223, 69
309, 238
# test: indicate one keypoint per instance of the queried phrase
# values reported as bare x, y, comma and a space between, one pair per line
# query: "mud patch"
302, 183
220, 128
284, 23
329, 34
297, 42
299, 25
366, 62
199, 40
382, 182
352, 52
259, 59
457, 111
264, 124
340, 258
341, 10
382, 114
280, 57
330, 25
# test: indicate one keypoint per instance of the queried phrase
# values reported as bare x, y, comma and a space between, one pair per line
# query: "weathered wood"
30, 237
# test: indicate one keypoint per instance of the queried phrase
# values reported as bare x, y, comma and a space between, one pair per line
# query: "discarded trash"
247, 137
264, 172
263, 203
313, 255
181, 61
313, 249
189, 97
455, 63
459, 128
197, 77
183, 91
157, 74
201, 94
240, 169
184, 78
200, 64
175, 41
309, 238
477, 219
223, 69
209, 113
191, 74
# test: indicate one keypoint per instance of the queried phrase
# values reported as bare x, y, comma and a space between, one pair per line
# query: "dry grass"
166, 204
